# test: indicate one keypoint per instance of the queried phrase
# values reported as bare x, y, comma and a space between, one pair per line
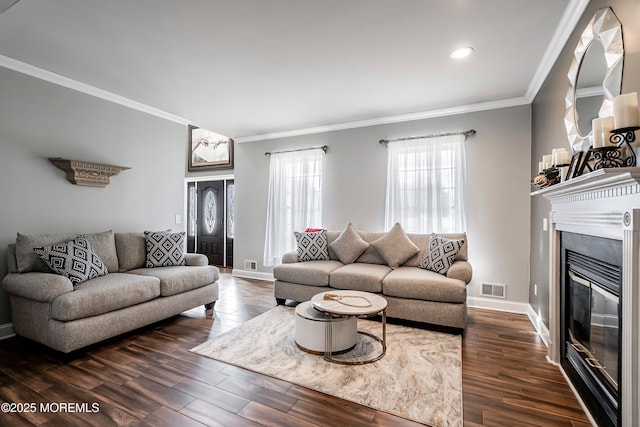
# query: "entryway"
210, 224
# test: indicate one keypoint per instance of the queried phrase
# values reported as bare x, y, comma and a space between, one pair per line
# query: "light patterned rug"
420, 377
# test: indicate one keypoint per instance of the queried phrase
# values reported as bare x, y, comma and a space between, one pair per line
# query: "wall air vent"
250, 265
493, 290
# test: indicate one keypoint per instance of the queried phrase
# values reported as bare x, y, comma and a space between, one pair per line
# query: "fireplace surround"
603, 204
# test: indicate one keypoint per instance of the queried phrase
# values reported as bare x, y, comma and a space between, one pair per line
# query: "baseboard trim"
246, 274
538, 324
6, 331
498, 305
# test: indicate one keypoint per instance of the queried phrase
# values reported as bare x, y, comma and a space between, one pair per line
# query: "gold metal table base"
328, 354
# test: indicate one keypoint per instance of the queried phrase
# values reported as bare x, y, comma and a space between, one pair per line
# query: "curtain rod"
323, 148
465, 133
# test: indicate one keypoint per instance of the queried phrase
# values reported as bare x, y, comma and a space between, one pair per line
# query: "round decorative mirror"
595, 77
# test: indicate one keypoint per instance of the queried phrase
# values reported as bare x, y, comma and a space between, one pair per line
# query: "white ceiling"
244, 68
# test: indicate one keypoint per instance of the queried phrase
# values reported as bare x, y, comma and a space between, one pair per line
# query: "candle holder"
623, 137
608, 157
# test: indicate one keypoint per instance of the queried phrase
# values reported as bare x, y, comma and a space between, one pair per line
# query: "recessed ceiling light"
462, 52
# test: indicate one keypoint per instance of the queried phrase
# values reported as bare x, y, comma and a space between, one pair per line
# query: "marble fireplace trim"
605, 203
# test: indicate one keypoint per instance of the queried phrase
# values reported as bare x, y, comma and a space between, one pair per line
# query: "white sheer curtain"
294, 201
426, 185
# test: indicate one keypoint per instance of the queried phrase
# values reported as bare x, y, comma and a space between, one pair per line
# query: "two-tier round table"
340, 304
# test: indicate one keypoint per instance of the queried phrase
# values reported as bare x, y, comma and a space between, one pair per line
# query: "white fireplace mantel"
603, 203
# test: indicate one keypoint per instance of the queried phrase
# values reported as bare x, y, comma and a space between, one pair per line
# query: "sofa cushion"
103, 244
441, 253
395, 246
312, 245
132, 250
416, 283
359, 277
103, 295
74, 259
312, 273
164, 248
349, 245
177, 279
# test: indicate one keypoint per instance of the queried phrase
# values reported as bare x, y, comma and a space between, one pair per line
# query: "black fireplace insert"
591, 321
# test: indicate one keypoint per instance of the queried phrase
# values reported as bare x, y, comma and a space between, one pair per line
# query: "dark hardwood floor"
149, 377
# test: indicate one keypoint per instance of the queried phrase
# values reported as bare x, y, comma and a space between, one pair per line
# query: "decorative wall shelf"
87, 173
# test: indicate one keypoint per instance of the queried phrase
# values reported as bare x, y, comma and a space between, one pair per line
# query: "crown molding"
51, 77
471, 108
565, 28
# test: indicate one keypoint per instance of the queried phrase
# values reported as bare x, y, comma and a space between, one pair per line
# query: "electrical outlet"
178, 219
545, 224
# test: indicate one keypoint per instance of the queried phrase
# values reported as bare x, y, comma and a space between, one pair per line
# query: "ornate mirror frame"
605, 28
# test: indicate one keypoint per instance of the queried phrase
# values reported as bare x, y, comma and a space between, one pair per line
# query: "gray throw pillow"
312, 246
441, 253
349, 245
74, 259
395, 247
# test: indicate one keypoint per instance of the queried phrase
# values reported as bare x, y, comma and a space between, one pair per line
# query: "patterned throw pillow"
74, 259
441, 253
164, 249
312, 246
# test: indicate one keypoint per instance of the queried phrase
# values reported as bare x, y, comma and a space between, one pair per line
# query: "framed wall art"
209, 150
574, 167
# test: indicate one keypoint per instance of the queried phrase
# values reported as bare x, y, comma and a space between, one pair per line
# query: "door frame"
185, 212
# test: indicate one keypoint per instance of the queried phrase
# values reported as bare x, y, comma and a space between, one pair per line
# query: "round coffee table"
338, 304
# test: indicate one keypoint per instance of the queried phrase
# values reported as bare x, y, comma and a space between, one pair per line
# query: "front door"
210, 239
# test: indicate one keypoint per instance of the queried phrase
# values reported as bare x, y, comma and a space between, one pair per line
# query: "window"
425, 185
294, 201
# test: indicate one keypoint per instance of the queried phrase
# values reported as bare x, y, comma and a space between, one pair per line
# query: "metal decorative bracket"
87, 173
622, 137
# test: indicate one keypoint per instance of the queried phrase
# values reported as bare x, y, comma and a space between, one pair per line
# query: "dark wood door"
211, 221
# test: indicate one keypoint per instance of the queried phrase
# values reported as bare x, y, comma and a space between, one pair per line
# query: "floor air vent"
250, 265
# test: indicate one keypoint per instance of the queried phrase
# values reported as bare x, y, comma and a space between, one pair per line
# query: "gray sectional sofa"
48, 308
412, 293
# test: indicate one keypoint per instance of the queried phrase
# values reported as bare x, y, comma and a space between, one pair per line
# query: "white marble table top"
349, 303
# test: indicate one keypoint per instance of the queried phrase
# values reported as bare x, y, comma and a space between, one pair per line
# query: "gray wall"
548, 130
39, 120
354, 189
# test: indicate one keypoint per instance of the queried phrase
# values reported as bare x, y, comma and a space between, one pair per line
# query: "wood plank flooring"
149, 378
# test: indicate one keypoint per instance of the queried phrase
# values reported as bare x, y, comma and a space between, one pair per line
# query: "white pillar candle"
625, 110
601, 130
546, 161
563, 157
540, 168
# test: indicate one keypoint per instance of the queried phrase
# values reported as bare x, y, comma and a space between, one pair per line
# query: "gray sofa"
47, 307
412, 293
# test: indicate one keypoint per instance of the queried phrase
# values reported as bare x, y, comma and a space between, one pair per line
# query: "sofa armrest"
195, 259
290, 257
37, 286
460, 270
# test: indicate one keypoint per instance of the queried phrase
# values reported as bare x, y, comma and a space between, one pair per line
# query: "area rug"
420, 377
